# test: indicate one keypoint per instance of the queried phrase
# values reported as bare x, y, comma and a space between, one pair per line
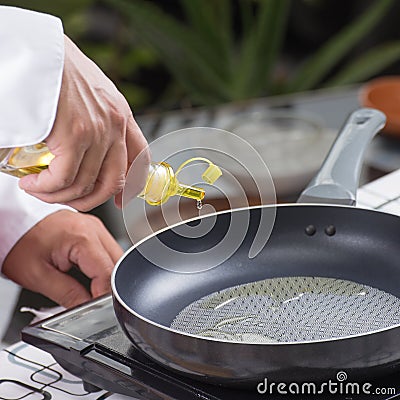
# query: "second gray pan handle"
337, 180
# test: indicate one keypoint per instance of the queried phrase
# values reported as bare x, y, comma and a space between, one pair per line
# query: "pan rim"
233, 342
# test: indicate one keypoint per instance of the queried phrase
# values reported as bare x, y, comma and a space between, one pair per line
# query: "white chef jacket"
31, 65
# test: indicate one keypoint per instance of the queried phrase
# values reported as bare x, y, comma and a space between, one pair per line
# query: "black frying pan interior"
349, 243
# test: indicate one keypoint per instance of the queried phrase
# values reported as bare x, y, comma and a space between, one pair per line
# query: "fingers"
101, 175
92, 159
96, 258
40, 259
138, 159
61, 172
43, 278
110, 245
111, 180
61, 288
68, 142
118, 199
90, 125
83, 184
135, 141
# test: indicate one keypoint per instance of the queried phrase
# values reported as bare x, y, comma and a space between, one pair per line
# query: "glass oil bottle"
21, 161
161, 183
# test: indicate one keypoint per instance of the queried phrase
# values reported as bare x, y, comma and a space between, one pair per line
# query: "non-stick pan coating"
364, 248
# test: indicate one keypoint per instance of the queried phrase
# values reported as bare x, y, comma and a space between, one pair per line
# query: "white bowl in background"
292, 145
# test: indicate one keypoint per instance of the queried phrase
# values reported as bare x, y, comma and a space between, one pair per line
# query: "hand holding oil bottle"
94, 139
161, 182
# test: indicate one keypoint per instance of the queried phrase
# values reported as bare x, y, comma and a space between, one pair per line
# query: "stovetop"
88, 343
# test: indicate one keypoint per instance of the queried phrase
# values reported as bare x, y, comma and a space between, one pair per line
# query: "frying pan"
321, 236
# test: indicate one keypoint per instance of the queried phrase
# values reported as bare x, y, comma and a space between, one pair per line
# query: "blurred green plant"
212, 63
203, 52
215, 50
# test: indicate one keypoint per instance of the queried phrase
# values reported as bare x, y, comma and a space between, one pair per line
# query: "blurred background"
168, 54
234, 64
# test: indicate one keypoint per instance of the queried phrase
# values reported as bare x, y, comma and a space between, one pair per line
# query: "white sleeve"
31, 65
19, 212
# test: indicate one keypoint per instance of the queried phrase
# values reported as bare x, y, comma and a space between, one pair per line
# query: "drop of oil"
199, 204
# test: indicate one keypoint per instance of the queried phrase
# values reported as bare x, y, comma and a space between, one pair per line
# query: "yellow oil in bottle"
22, 161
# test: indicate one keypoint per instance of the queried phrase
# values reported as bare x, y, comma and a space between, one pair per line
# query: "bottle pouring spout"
191, 192
162, 182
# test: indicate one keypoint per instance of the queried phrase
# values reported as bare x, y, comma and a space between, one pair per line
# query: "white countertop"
382, 194
24, 363
36, 368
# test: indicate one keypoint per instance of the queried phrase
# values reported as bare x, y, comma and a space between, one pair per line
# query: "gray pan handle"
337, 180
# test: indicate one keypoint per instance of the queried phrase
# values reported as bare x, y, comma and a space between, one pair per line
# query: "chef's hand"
94, 139
40, 259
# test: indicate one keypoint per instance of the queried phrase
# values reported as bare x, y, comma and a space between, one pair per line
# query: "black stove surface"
88, 342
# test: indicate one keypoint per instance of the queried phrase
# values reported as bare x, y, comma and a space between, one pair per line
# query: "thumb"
139, 159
